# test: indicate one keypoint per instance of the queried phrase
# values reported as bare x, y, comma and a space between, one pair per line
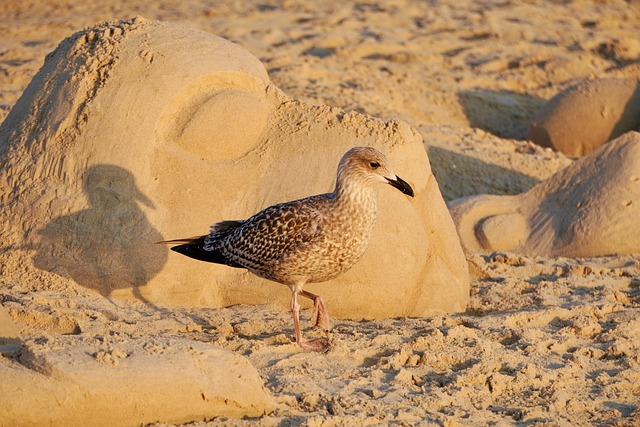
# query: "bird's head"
368, 165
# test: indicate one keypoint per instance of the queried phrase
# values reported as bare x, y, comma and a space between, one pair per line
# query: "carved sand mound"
140, 131
588, 209
176, 382
583, 117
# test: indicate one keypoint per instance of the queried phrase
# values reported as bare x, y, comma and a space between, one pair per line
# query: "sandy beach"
544, 341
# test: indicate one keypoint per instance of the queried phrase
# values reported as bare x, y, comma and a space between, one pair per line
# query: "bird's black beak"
401, 185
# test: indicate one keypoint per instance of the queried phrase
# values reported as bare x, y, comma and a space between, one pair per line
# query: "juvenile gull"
308, 240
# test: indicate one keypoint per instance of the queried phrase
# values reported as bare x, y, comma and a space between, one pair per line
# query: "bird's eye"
374, 165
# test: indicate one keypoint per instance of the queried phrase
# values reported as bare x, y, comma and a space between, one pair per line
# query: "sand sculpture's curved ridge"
74, 72
72, 75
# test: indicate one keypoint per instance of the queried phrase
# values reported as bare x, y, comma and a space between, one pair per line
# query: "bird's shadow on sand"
108, 245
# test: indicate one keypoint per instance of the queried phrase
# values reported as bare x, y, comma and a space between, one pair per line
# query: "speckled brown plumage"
307, 240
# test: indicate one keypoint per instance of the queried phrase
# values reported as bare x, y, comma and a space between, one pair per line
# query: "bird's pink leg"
320, 313
315, 345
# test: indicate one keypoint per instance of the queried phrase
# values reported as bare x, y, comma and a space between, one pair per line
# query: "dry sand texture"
545, 341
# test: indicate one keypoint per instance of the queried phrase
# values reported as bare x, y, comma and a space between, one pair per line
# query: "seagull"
309, 240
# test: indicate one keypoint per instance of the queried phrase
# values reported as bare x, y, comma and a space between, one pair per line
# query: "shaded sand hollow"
545, 340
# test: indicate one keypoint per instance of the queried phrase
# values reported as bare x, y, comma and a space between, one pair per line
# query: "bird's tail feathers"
186, 240
223, 226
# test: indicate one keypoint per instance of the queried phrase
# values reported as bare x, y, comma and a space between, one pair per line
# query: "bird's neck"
354, 197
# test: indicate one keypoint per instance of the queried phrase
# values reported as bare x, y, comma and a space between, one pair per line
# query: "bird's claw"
320, 344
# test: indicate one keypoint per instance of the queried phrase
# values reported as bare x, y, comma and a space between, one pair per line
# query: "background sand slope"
544, 342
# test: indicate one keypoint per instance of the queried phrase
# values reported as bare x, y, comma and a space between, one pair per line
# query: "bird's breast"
343, 234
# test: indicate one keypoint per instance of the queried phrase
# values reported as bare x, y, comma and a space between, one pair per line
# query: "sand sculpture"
139, 131
583, 117
588, 209
73, 385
